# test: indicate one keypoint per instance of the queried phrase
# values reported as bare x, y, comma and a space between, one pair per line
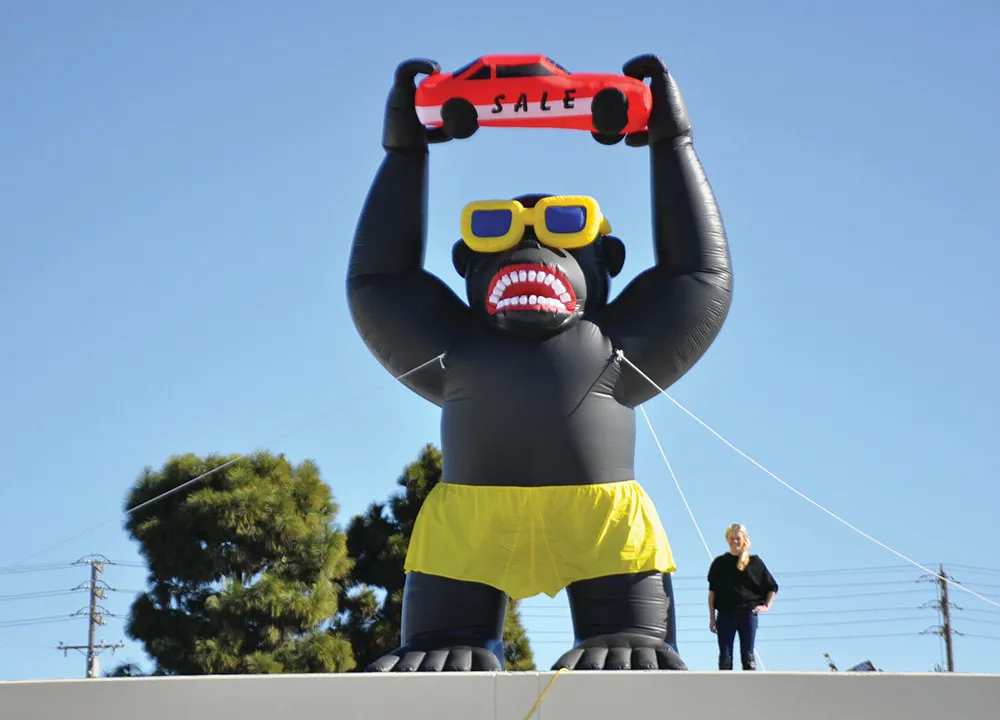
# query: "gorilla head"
535, 264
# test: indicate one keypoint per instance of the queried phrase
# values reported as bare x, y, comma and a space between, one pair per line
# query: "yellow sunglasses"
566, 221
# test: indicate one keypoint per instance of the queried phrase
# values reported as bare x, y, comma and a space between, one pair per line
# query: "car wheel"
606, 139
459, 118
609, 111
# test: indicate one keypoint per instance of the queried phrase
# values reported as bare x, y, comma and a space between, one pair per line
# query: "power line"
794, 639
869, 583
977, 568
981, 584
990, 622
943, 604
102, 588
49, 567
780, 626
795, 625
778, 613
37, 595
676, 577
826, 597
825, 638
25, 622
242, 456
45, 567
99, 590
831, 571
621, 356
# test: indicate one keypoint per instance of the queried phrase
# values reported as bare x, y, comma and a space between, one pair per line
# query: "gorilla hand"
668, 117
460, 658
403, 130
621, 651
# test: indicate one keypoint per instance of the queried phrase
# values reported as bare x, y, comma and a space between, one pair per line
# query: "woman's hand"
712, 625
760, 609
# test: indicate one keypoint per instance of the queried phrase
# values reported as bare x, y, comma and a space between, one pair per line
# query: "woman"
739, 587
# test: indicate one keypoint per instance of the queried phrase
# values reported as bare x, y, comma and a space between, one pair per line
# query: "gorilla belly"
536, 414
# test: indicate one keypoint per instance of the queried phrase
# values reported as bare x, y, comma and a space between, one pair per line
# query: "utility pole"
945, 629
946, 619
95, 614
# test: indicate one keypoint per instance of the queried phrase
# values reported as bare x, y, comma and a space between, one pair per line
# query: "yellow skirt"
525, 541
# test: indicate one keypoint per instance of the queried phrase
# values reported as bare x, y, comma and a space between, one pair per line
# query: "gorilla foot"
457, 658
621, 651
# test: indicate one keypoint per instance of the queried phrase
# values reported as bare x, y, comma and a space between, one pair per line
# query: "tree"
244, 568
131, 669
126, 669
377, 540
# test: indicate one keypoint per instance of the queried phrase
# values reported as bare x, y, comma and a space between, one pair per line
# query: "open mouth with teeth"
530, 287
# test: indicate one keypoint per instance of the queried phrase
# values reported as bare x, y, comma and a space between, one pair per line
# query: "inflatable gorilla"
538, 423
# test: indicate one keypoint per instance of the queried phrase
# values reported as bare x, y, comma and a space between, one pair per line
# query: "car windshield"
513, 71
555, 64
465, 68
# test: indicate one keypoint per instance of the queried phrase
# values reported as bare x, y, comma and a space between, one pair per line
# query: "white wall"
482, 696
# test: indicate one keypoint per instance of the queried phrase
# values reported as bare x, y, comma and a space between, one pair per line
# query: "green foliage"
125, 669
377, 541
517, 649
244, 568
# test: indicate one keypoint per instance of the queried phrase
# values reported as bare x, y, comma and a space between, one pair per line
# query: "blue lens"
491, 223
566, 219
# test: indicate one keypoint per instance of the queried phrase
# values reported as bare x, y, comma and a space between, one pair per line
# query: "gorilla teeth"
530, 276
531, 288
527, 301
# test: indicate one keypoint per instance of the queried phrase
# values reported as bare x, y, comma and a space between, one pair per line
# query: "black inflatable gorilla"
538, 425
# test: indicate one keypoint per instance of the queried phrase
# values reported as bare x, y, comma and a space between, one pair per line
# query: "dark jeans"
727, 626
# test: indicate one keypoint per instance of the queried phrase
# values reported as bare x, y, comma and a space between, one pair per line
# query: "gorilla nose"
530, 239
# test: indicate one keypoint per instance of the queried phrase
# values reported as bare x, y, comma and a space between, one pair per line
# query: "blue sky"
179, 189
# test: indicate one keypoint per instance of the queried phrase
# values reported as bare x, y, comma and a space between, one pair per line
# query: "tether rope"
802, 495
708, 550
337, 408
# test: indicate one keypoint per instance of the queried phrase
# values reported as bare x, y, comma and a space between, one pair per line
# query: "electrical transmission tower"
944, 606
96, 614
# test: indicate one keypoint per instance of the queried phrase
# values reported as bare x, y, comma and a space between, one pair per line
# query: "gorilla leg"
447, 626
623, 622
668, 589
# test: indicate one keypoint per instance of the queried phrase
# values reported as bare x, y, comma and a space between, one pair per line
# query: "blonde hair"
744, 559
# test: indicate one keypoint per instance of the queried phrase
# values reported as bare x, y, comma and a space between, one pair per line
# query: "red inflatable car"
532, 91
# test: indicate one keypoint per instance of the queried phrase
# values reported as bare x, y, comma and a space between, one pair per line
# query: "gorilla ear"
614, 254
460, 257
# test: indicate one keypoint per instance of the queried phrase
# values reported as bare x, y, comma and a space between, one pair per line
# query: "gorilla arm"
405, 315
669, 315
